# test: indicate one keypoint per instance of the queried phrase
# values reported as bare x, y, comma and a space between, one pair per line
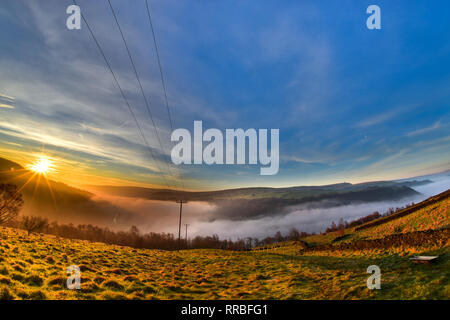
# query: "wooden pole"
179, 222
187, 225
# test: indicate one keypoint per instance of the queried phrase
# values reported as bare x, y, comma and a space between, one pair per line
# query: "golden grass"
34, 267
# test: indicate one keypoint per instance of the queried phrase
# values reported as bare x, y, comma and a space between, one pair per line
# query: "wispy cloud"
433, 127
298, 159
5, 97
12, 143
379, 118
5, 101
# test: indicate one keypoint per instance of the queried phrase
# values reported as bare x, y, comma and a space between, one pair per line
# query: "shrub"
11, 202
34, 224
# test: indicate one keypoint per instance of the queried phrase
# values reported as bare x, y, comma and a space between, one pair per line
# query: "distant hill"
416, 183
6, 165
58, 201
246, 203
397, 190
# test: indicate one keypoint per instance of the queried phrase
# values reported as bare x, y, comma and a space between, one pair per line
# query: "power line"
147, 104
163, 82
129, 106
159, 64
121, 91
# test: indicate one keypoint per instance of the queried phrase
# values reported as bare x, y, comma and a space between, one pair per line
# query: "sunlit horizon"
70, 173
42, 166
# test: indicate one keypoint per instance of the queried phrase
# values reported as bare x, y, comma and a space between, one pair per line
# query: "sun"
42, 166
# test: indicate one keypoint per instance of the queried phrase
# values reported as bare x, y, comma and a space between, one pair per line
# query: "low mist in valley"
205, 218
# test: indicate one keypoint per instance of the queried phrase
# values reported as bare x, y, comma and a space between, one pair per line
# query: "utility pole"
186, 225
179, 222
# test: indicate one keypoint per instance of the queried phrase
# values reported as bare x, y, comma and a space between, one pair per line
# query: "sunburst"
42, 166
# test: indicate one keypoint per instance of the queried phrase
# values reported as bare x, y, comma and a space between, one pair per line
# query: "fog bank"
161, 216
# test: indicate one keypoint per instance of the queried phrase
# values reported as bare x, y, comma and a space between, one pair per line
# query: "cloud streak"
433, 127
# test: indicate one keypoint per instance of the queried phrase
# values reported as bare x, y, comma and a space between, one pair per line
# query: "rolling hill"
328, 266
245, 203
371, 191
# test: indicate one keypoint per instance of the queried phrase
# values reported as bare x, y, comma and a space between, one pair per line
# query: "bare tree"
11, 202
278, 237
341, 224
34, 224
294, 234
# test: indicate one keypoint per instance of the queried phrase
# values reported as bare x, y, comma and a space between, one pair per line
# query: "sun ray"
26, 183
42, 166
19, 190
39, 169
51, 192
19, 177
36, 186
12, 171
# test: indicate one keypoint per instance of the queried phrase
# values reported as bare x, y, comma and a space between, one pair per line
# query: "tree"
294, 234
333, 226
134, 231
11, 202
278, 237
248, 242
341, 224
135, 236
34, 224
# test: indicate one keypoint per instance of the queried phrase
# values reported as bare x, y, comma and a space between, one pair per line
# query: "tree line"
151, 240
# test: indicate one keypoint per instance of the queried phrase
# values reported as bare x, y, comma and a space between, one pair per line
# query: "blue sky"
351, 104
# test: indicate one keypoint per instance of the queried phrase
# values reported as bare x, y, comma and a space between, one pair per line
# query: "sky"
351, 104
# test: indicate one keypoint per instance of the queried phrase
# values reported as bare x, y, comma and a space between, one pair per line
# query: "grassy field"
34, 267
435, 216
